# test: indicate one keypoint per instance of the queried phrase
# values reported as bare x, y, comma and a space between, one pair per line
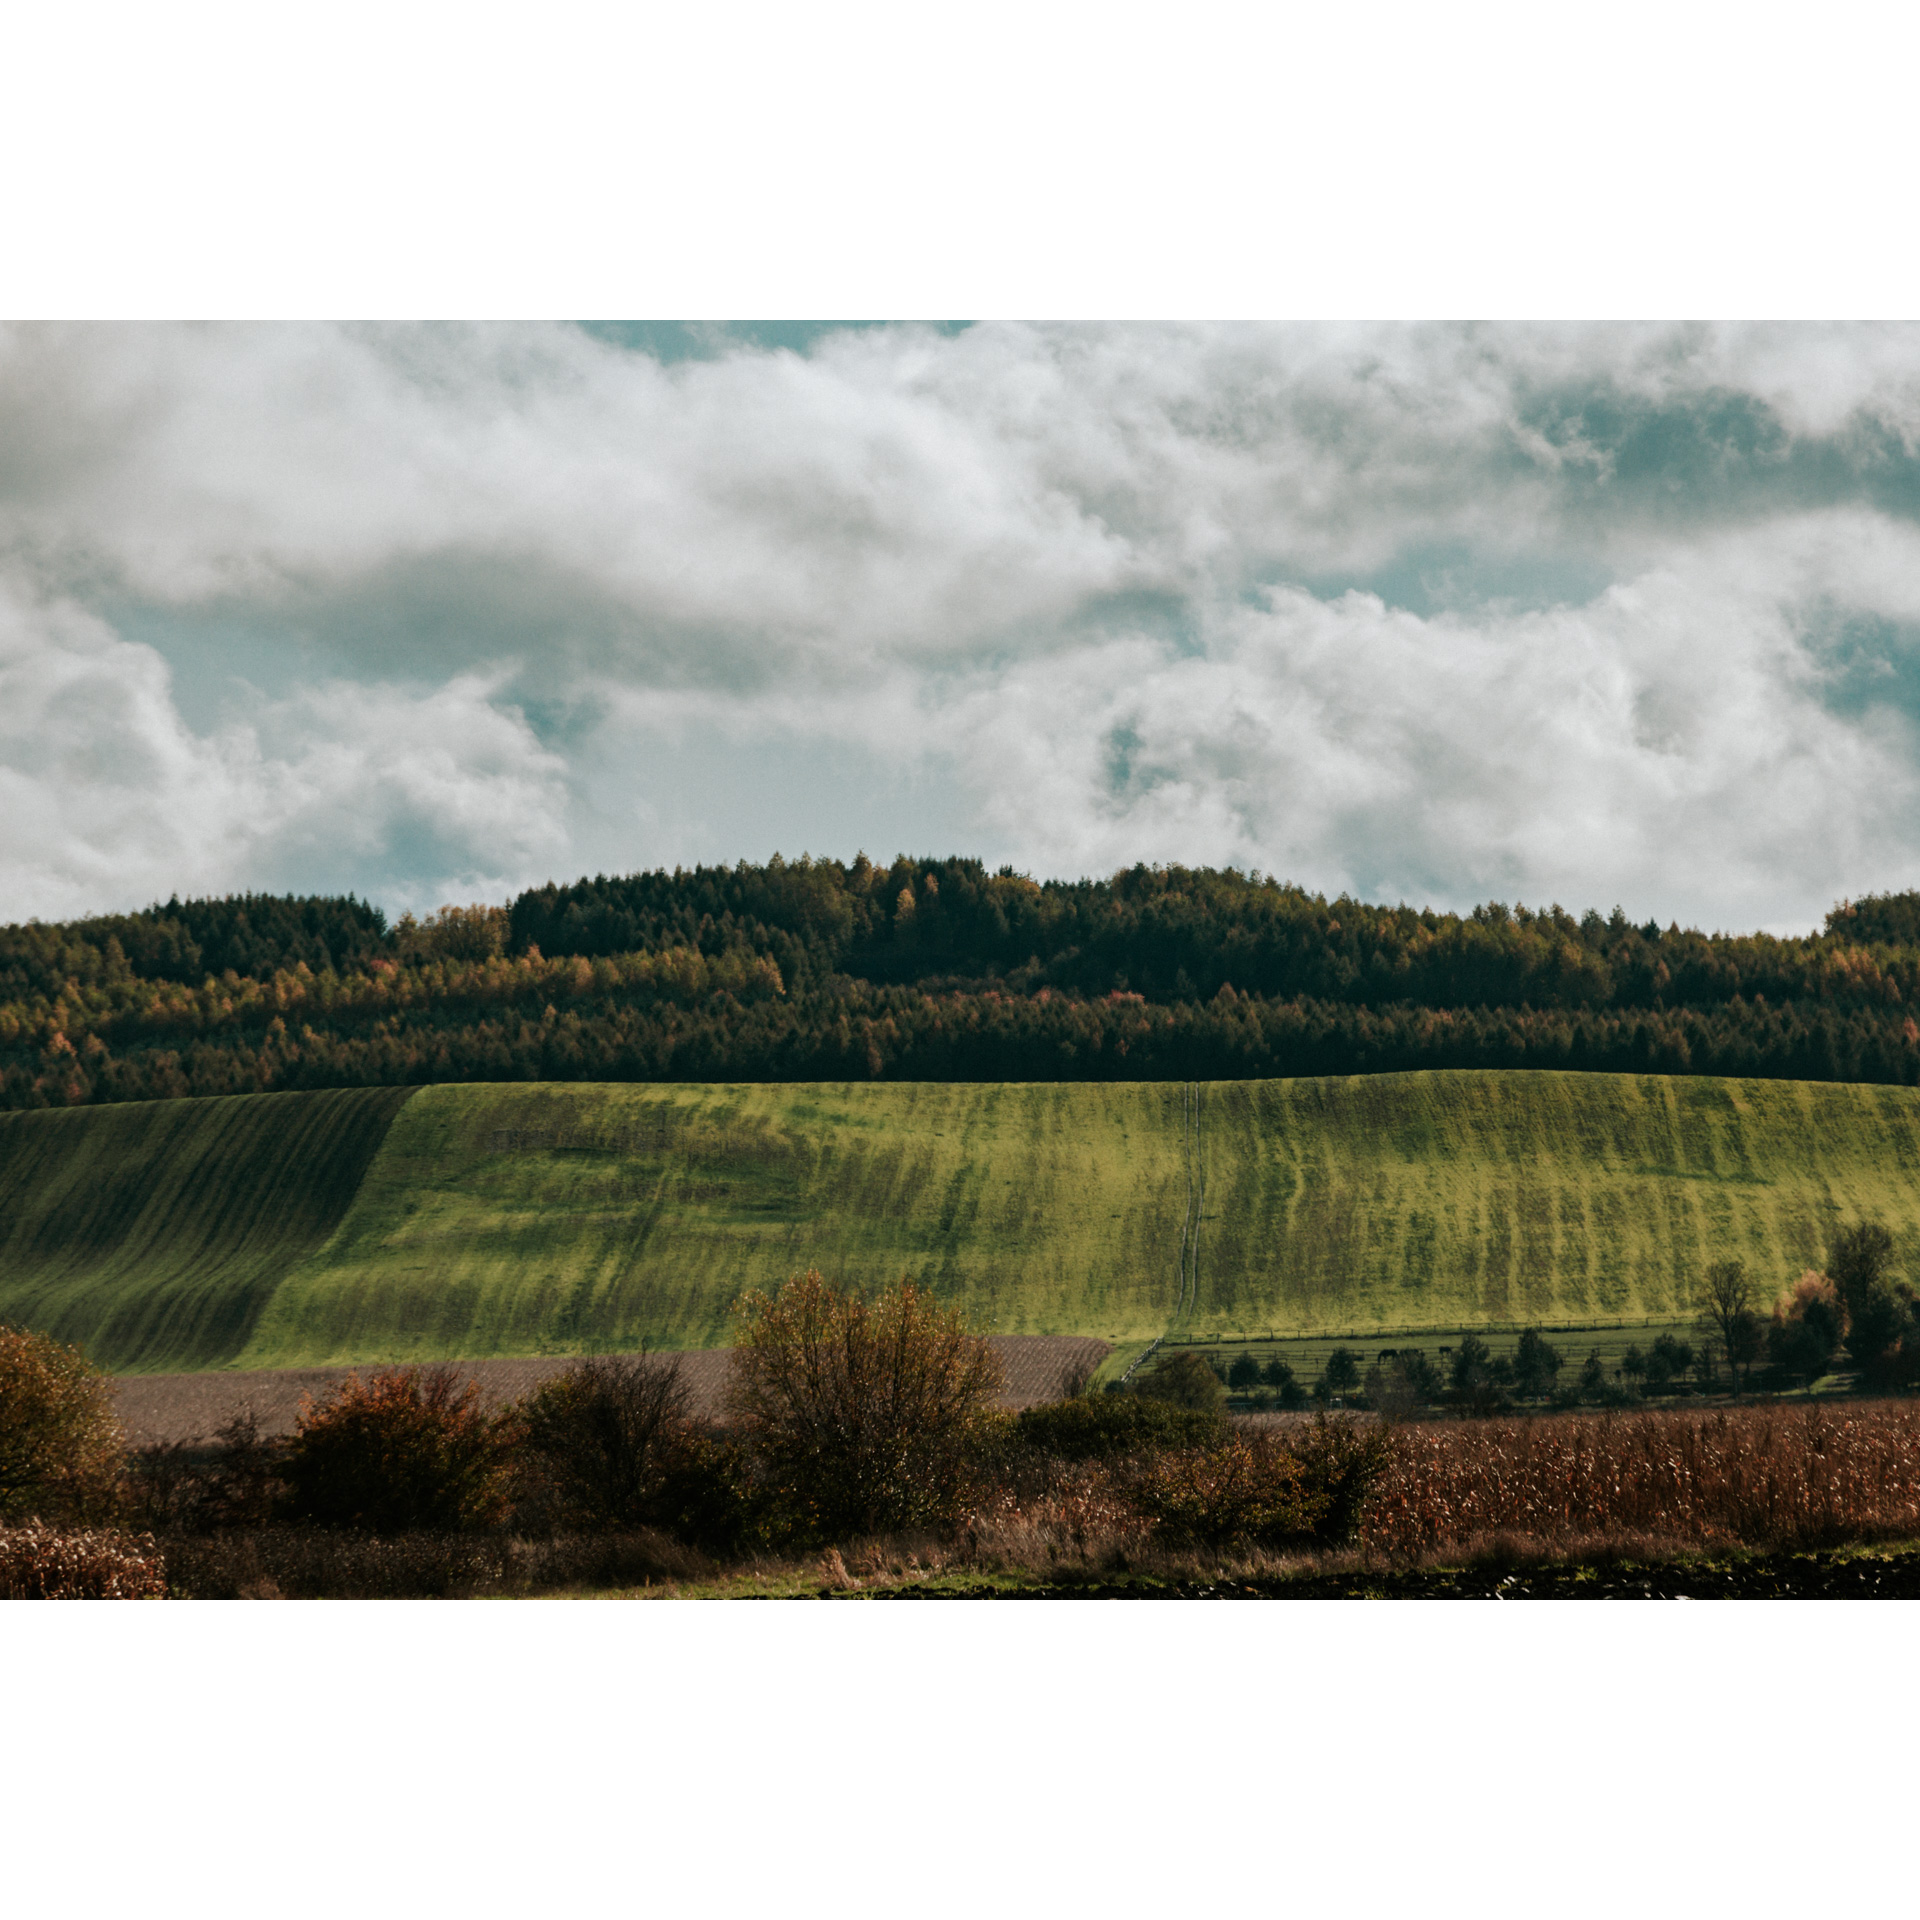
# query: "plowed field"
157, 1409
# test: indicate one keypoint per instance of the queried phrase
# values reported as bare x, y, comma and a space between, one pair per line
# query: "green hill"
155, 1233
293, 1229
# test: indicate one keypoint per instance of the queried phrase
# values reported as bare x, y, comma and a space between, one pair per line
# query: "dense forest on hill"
929, 970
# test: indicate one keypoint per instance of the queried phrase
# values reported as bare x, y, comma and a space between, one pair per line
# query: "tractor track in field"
1187, 1268
1194, 1163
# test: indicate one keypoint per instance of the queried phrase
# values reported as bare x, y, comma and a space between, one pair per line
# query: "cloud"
1599, 612
1675, 743
111, 800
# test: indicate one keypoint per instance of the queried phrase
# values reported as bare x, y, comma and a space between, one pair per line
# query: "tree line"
933, 970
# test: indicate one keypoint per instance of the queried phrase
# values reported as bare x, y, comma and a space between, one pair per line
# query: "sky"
1597, 614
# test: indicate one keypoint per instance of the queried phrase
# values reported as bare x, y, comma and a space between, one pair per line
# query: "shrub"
181, 1489
1257, 1489
600, 1443
1244, 1373
862, 1417
408, 1449
1343, 1463
62, 1451
710, 1498
39, 1563
1109, 1428
1183, 1380
1244, 1492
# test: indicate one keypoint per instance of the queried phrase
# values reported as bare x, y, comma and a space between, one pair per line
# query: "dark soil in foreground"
1780, 1576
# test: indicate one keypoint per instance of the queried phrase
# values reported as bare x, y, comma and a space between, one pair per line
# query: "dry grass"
39, 1562
1766, 1477
189, 1408
313, 1563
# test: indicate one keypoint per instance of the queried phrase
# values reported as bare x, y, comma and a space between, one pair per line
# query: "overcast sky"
1443, 614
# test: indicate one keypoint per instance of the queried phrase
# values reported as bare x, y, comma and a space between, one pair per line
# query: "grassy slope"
1046, 1209
1374, 1203
1465, 1197
155, 1232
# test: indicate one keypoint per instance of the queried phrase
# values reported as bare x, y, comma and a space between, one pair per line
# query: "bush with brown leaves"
408, 1449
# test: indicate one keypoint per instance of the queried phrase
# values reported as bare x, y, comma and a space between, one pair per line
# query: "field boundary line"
1372, 1336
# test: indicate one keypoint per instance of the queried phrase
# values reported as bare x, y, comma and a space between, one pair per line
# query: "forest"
928, 970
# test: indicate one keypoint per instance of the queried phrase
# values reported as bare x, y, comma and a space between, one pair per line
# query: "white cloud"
110, 800
1442, 611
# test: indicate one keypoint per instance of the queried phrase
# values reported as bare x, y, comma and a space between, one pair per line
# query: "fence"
1373, 1335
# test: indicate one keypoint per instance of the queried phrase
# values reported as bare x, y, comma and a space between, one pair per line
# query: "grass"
155, 1233
1350, 1209
1043, 1209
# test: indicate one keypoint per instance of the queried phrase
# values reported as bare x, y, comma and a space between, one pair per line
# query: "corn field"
1753, 1476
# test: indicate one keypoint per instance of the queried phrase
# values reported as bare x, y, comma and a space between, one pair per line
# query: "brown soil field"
160, 1409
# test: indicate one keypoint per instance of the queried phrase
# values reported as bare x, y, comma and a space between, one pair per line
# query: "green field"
155, 1233
296, 1229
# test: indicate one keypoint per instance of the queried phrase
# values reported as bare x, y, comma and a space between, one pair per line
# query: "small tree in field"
864, 1415
1341, 1373
62, 1453
1728, 1315
1479, 1377
1536, 1362
1244, 1374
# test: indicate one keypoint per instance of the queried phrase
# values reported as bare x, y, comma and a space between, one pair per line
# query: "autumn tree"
62, 1452
1809, 1324
863, 1414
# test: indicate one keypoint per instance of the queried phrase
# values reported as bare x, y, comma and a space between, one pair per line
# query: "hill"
305, 1230
155, 1233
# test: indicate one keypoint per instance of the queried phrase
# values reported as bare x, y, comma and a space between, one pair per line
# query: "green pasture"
1044, 1209
154, 1233
465, 1221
